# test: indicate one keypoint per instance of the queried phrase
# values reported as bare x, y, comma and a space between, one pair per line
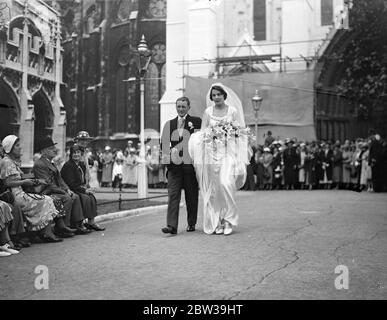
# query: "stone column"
27, 116
59, 132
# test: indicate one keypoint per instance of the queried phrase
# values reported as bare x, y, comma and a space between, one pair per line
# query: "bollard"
119, 202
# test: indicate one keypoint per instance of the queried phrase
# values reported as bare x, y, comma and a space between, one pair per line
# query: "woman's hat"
107, 148
83, 135
288, 140
8, 143
266, 149
44, 143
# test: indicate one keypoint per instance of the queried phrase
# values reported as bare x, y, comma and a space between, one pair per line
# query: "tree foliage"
365, 79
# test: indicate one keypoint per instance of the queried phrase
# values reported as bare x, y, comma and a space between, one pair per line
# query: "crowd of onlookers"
358, 165
117, 168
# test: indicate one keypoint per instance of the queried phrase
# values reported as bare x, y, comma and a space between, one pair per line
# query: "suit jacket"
170, 139
327, 158
44, 169
73, 177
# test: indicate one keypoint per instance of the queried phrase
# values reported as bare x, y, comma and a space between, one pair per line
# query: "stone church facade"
100, 39
31, 74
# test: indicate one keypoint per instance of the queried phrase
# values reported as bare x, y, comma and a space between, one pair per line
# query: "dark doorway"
44, 116
9, 107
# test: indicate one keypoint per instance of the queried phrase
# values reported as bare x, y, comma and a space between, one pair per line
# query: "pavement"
288, 245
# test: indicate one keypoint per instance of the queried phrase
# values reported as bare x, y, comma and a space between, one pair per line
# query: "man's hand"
70, 193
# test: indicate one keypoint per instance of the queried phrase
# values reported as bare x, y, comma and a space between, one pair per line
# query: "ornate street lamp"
257, 101
144, 59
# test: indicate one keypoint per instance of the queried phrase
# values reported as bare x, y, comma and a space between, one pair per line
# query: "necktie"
181, 125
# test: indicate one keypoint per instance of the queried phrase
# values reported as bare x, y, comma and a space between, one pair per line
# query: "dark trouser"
182, 177
250, 183
89, 205
377, 177
17, 224
72, 207
76, 211
117, 181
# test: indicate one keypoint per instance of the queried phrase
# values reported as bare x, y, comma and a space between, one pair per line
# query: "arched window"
152, 109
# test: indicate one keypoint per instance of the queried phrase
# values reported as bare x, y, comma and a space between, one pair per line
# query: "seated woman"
38, 211
73, 173
6, 246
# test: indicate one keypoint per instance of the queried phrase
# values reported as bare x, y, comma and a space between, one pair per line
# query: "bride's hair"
220, 89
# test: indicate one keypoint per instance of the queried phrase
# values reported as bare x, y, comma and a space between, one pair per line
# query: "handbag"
5, 193
37, 188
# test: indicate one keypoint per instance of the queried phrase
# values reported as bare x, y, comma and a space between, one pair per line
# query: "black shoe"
169, 229
68, 229
190, 228
49, 239
22, 242
82, 230
63, 233
94, 227
16, 246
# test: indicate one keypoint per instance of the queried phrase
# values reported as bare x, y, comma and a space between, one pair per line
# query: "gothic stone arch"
9, 110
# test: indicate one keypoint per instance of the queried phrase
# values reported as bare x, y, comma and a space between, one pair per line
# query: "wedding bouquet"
223, 131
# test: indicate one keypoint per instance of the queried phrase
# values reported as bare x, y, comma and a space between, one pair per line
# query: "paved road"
287, 246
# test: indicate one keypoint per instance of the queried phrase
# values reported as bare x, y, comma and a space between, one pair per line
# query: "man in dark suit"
180, 171
55, 187
376, 163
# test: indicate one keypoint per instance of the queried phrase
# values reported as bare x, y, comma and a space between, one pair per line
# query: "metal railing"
120, 200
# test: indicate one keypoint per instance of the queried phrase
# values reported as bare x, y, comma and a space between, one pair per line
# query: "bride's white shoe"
219, 229
227, 229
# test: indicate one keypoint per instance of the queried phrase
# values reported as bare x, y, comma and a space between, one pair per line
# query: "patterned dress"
5, 215
39, 211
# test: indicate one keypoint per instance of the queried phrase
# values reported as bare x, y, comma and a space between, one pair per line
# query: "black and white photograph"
193, 155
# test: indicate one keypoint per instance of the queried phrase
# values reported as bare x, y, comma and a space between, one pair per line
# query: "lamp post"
144, 59
257, 101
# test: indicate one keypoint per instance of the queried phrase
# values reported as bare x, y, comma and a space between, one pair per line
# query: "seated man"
57, 189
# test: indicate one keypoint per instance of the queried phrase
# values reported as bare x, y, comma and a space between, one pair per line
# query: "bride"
220, 154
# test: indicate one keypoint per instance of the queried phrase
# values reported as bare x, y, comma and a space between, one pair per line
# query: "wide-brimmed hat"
288, 140
266, 149
83, 135
44, 143
8, 143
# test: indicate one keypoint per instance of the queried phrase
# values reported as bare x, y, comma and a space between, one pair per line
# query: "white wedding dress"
220, 170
